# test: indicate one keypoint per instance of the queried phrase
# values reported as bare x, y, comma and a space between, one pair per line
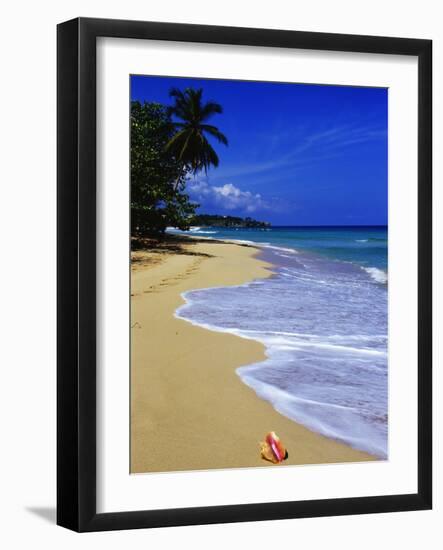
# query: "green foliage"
157, 176
189, 144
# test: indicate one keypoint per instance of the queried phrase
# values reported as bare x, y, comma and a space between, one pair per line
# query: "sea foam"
377, 274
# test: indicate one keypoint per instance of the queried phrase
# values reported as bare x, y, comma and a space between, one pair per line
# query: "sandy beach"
189, 408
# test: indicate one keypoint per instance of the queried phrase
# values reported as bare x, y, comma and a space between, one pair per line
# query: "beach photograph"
258, 274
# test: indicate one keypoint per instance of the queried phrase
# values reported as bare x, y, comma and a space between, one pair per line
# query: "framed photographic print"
244, 274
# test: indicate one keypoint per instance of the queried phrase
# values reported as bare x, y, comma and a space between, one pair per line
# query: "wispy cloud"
309, 147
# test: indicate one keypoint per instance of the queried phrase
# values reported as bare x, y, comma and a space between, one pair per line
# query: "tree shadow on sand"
170, 244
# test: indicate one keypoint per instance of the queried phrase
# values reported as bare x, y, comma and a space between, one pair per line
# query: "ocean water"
322, 317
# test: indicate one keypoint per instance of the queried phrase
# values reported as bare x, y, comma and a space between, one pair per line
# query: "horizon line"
335, 225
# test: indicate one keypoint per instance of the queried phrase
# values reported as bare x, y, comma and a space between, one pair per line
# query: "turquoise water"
366, 246
322, 318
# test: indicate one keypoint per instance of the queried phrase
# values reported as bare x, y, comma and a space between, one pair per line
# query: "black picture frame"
76, 265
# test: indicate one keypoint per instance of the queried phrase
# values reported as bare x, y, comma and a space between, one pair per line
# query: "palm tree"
190, 145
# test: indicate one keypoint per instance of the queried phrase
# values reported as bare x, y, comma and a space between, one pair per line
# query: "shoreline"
189, 408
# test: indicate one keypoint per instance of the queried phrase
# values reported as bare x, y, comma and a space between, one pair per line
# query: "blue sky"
298, 154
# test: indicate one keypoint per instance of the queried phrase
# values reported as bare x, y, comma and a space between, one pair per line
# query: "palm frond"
214, 132
174, 142
210, 108
210, 157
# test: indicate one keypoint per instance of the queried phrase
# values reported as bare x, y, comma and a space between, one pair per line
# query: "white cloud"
227, 196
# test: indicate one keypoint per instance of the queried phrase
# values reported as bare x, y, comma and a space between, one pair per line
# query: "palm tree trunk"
177, 183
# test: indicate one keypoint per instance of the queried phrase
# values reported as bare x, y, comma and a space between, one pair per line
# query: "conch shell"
272, 449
